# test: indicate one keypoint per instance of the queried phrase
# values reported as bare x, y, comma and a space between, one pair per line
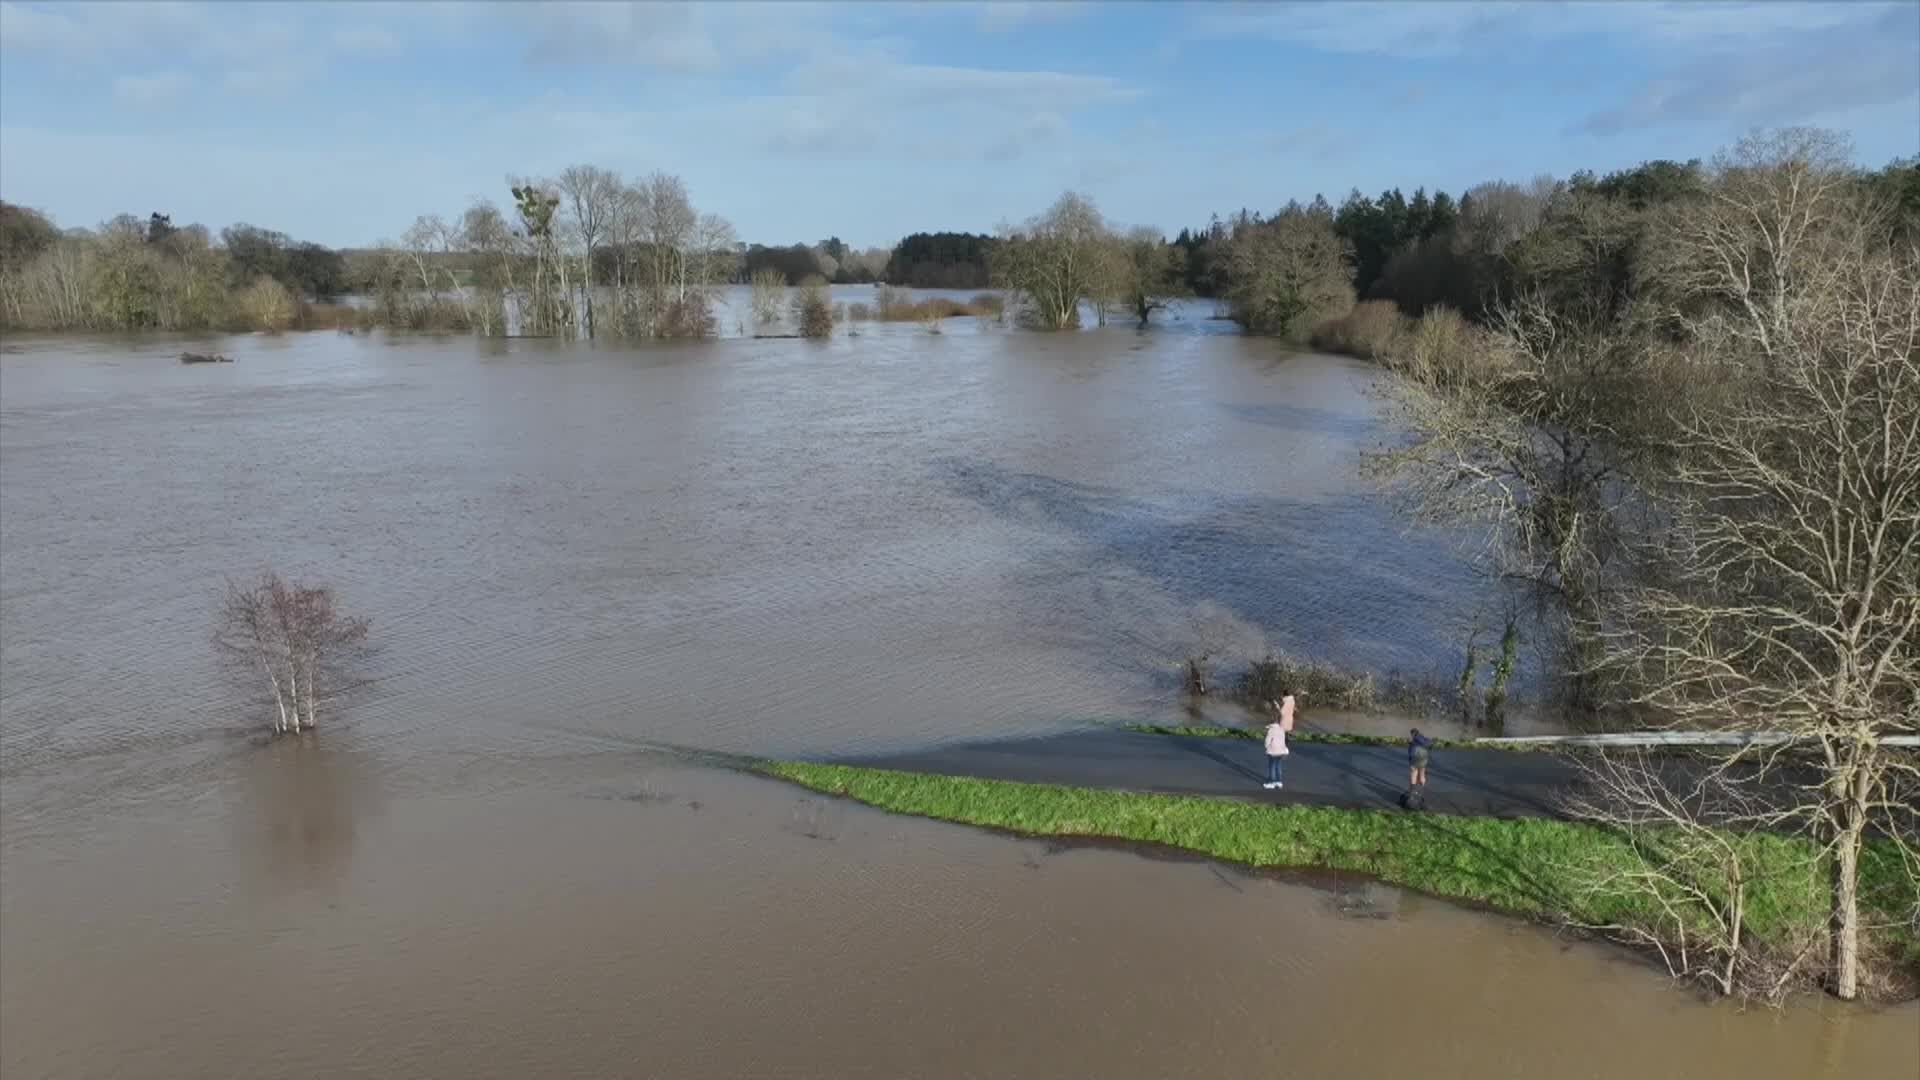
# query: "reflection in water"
304, 800
537, 930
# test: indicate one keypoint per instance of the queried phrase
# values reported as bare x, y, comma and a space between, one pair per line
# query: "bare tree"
491, 250
1685, 886
1717, 483
1287, 275
592, 197
1793, 551
426, 245
294, 636
1148, 272
1537, 432
546, 308
1054, 262
769, 288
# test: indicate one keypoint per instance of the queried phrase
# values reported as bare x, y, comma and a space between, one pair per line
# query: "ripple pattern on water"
759, 546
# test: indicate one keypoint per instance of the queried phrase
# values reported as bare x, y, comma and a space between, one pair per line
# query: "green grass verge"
1529, 867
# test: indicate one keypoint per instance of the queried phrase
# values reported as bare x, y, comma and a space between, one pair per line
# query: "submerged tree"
813, 309
592, 197
296, 638
1055, 261
1287, 275
769, 288
1150, 272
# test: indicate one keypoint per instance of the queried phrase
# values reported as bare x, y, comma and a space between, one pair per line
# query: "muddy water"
771, 547
606, 915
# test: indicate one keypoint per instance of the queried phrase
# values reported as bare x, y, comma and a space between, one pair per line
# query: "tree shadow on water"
1326, 576
1302, 418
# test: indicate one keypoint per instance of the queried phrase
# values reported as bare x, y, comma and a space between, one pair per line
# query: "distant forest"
1465, 252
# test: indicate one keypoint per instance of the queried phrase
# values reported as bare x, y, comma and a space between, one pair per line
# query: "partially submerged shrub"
691, 317
813, 311
896, 305
268, 305
769, 287
1320, 684
987, 303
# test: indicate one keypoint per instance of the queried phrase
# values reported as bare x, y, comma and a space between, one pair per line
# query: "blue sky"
341, 123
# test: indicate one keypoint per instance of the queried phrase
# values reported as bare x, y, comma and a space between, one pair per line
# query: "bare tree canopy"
296, 638
1288, 275
592, 198
1056, 261
1705, 462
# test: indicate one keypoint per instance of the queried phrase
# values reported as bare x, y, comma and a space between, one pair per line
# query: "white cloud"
686, 39
148, 91
1044, 130
1002, 16
373, 41
1315, 141
1806, 80
1449, 28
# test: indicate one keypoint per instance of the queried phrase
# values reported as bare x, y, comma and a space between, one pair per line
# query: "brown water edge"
608, 914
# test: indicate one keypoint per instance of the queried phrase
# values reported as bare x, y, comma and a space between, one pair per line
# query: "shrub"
1319, 684
859, 312
688, 318
1442, 349
1369, 331
769, 285
895, 307
268, 305
812, 310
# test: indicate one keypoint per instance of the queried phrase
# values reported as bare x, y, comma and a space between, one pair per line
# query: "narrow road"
1488, 783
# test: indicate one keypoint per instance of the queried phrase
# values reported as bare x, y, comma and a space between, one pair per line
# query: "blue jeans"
1273, 768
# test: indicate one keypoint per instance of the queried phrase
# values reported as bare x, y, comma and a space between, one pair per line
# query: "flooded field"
583, 563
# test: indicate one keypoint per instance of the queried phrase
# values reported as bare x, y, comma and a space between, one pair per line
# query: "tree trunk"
1846, 907
586, 297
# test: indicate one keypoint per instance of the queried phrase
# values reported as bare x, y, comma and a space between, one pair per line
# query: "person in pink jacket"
1277, 739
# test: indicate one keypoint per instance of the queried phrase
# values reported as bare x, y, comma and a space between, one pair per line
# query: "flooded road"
572, 555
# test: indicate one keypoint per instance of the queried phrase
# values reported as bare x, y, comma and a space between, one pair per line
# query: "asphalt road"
1493, 783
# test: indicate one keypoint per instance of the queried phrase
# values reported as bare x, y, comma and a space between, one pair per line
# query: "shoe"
1269, 785
1278, 784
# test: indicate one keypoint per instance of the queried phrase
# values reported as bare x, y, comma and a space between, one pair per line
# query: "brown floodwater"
577, 558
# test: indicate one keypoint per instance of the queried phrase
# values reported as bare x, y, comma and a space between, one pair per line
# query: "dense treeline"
829, 260
1498, 239
131, 274
565, 242
944, 260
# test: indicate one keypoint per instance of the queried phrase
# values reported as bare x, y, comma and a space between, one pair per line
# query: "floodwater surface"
585, 566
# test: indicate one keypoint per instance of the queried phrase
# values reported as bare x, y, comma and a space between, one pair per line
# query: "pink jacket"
1276, 740
1277, 731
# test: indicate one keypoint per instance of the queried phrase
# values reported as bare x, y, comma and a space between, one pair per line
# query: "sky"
341, 123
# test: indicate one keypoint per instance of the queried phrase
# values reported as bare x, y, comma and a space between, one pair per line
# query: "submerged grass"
1529, 867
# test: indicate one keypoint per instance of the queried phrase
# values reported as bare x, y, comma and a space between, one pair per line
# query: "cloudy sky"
870, 120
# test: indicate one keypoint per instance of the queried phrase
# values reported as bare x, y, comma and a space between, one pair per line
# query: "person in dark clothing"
1419, 751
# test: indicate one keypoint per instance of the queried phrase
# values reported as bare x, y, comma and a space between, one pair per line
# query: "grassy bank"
1531, 867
